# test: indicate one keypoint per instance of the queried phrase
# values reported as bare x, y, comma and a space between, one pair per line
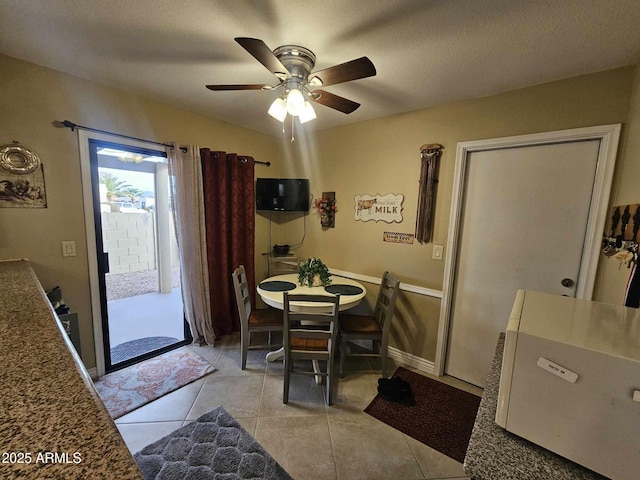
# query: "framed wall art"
385, 208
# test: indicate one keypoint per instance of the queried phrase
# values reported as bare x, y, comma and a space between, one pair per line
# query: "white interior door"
524, 217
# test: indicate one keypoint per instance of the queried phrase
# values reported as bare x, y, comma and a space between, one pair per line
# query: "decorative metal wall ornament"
387, 208
21, 177
16, 158
429, 154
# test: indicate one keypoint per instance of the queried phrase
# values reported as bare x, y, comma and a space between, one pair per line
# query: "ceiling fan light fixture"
315, 82
129, 157
307, 114
293, 66
278, 110
295, 102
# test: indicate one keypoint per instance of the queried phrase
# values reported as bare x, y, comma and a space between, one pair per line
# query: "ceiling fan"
293, 66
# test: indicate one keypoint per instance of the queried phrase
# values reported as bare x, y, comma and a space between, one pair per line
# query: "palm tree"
131, 192
115, 186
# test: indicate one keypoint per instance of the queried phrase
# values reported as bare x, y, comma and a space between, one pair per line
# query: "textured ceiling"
427, 52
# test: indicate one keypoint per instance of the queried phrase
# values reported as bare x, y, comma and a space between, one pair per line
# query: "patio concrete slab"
149, 315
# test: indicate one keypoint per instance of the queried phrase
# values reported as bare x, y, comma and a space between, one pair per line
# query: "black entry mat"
137, 347
277, 286
343, 289
442, 417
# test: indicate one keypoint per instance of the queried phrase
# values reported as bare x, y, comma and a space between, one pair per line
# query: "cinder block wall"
129, 238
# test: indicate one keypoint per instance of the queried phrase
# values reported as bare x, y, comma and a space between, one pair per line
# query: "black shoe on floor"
396, 390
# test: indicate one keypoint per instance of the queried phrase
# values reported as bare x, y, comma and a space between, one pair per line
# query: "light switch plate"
438, 252
69, 248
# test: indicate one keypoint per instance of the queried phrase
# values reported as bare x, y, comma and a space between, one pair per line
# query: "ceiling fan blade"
336, 102
255, 86
345, 72
264, 55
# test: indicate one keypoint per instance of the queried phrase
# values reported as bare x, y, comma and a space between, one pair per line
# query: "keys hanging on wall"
621, 243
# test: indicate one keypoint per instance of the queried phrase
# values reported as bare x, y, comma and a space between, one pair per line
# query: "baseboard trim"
93, 373
412, 360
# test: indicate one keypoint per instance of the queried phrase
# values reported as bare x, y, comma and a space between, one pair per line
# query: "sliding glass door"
139, 271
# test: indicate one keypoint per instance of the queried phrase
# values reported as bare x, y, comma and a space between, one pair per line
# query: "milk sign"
387, 208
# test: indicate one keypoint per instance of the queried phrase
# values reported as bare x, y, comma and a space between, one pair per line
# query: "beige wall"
382, 156
378, 156
32, 97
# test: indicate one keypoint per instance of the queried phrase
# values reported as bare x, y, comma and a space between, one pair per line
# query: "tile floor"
311, 441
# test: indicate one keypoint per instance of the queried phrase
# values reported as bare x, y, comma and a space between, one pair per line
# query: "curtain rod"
72, 126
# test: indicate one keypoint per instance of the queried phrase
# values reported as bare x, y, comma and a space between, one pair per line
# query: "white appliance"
570, 381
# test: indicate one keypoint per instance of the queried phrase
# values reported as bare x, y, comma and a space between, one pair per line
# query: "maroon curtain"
228, 184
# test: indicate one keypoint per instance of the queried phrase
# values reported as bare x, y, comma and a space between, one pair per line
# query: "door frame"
608, 135
84, 137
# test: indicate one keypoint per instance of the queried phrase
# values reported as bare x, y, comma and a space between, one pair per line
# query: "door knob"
567, 282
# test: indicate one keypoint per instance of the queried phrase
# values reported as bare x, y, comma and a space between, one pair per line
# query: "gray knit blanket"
213, 447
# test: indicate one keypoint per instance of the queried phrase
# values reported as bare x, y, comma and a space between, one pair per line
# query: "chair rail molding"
429, 292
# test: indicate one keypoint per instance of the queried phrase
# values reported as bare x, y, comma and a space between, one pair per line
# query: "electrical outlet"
69, 248
438, 252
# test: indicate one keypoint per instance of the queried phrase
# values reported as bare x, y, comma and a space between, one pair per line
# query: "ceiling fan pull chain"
283, 120
293, 125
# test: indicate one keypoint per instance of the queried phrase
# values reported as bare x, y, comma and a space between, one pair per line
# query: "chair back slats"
317, 324
283, 265
241, 288
375, 328
249, 321
309, 333
386, 301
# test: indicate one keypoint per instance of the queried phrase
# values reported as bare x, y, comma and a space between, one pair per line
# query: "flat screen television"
283, 194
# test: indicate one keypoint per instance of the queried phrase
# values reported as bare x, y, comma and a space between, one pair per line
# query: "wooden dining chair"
262, 320
310, 333
283, 265
374, 327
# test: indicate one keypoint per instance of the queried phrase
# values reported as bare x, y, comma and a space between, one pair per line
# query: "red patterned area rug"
127, 389
442, 417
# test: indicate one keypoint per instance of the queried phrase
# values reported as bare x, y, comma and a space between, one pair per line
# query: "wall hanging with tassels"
429, 154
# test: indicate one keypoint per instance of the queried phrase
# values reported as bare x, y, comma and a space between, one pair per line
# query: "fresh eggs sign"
387, 208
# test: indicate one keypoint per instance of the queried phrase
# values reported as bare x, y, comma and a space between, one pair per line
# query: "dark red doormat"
442, 417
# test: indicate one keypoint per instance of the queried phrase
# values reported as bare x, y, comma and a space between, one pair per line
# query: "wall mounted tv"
283, 194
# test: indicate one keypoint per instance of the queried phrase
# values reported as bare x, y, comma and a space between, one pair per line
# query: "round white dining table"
272, 289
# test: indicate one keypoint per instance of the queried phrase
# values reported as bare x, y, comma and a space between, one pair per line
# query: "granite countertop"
495, 454
53, 425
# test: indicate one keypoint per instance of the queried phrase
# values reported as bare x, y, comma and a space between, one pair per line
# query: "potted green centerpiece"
313, 273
